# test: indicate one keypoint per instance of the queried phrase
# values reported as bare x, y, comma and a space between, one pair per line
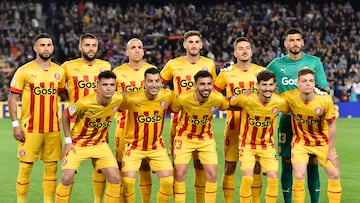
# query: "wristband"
15, 123
68, 140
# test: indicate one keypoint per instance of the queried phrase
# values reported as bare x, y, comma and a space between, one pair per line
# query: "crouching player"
260, 111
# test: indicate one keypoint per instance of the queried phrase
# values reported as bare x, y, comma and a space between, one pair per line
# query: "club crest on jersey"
115, 108
57, 76
213, 109
22, 153
163, 103
275, 110
72, 109
317, 110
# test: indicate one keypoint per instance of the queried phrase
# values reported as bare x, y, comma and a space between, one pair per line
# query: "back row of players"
250, 122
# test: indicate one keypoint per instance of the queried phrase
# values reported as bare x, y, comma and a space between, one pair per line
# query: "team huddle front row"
86, 122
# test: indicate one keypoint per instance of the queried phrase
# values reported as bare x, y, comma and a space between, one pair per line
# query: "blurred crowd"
331, 32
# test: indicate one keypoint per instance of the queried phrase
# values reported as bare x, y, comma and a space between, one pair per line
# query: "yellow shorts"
267, 158
300, 154
101, 152
47, 145
119, 141
158, 159
231, 145
184, 148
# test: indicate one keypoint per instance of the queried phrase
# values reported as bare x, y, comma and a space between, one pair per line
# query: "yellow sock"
298, 191
63, 193
112, 193
166, 189
128, 189
256, 188
271, 190
210, 192
334, 191
49, 181
245, 189
121, 199
145, 185
179, 192
199, 184
228, 185
23, 181
99, 182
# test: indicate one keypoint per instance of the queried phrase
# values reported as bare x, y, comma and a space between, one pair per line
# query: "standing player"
285, 70
88, 138
81, 77
182, 70
239, 80
130, 78
38, 83
260, 113
143, 136
313, 117
195, 134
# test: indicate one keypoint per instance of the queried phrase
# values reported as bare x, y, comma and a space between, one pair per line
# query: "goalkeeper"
285, 70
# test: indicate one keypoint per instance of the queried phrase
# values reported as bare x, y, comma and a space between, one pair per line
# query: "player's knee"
166, 184
272, 174
299, 174
67, 179
229, 168
113, 178
211, 176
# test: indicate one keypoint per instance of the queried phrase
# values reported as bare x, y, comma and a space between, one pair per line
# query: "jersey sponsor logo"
149, 119
129, 88
84, 84
239, 90
199, 121
306, 121
186, 83
288, 81
45, 91
259, 124
103, 124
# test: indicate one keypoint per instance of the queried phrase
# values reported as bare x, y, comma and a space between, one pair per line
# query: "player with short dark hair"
195, 133
38, 83
81, 78
260, 114
285, 70
147, 109
239, 78
88, 137
181, 71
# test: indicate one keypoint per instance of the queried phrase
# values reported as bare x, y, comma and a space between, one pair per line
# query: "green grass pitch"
347, 144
